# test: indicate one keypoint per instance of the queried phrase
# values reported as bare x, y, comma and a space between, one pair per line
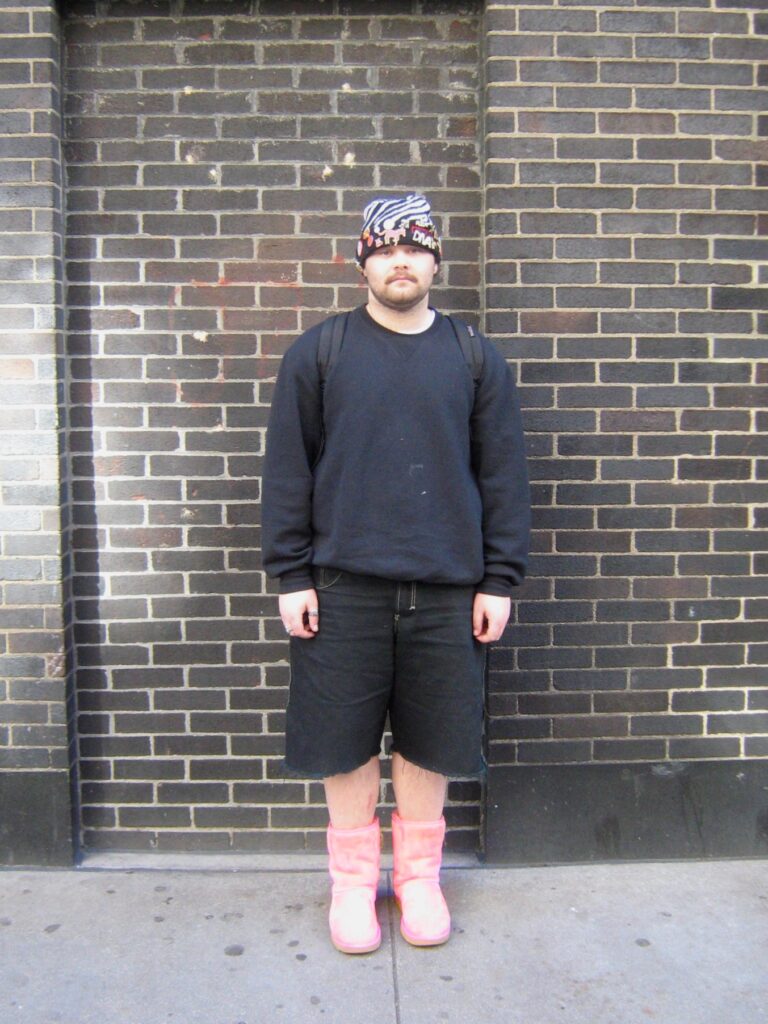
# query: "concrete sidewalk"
116, 942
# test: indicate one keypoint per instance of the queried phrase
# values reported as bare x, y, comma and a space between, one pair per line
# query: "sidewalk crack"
391, 915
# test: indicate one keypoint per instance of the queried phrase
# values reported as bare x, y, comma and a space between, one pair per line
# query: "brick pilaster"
34, 800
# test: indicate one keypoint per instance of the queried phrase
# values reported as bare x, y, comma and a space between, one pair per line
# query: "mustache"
400, 277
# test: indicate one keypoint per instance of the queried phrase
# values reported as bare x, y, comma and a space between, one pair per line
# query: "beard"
400, 294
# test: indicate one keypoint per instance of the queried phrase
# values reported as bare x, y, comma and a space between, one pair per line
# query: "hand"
299, 613
490, 615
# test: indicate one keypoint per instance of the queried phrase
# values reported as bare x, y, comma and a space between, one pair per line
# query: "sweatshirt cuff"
498, 586
297, 579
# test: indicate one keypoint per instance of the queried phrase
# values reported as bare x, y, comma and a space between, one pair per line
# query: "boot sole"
424, 942
354, 950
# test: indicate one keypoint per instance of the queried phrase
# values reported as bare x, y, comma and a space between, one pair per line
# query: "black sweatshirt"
401, 468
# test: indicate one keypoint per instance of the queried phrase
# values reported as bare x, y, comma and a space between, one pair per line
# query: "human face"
400, 276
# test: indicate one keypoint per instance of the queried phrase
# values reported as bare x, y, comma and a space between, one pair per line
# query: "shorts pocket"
326, 578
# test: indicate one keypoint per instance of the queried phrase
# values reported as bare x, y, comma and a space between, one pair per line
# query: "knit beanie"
399, 220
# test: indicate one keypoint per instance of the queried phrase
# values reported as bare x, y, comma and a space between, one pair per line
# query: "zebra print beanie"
399, 220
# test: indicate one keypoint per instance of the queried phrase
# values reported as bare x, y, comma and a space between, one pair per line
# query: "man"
396, 516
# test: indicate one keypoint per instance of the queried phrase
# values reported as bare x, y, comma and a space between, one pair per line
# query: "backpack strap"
471, 347
329, 346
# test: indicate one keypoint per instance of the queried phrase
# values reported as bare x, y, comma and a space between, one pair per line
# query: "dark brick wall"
625, 274
217, 165
34, 760
218, 154
32, 725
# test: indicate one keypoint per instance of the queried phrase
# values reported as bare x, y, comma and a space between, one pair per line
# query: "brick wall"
625, 272
218, 154
218, 162
33, 733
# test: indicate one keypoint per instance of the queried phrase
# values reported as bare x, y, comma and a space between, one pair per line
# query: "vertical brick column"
624, 154
34, 777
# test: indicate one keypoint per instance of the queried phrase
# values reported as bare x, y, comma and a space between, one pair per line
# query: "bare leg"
419, 794
352, 796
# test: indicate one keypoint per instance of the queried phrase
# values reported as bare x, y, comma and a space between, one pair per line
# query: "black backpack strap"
471, 347
329, 346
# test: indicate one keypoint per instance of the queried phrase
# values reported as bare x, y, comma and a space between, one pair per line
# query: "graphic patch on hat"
402, 220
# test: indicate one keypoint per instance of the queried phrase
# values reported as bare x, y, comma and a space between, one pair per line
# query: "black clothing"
399, 468
386, 649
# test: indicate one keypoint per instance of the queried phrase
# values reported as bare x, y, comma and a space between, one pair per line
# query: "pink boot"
354, 866
417, 848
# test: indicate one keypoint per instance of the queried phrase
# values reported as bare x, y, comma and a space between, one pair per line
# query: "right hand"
299, 613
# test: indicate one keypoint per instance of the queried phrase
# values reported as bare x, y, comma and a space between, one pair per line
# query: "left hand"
298, 610
490, 615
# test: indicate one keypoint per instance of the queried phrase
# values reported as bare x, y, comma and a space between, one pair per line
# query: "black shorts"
403, 648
